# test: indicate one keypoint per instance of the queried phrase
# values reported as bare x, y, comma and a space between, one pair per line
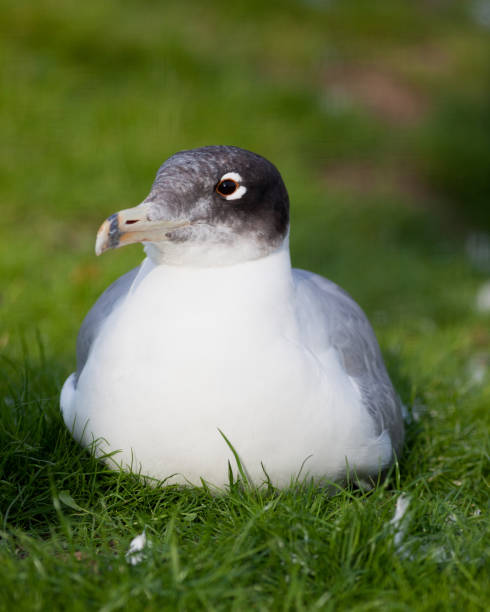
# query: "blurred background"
376, 113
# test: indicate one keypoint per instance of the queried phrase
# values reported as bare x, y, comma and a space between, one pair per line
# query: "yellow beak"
133, 225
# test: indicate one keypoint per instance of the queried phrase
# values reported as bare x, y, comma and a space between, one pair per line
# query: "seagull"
215, 352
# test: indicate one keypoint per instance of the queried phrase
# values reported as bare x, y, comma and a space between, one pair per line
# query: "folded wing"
347, 330
99, 312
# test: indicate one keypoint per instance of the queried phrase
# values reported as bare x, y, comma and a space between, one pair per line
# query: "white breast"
192, 351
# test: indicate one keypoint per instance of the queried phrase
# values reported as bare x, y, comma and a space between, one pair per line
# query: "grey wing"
98, 314
348, 330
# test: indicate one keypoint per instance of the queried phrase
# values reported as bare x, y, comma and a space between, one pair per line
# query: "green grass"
376, 114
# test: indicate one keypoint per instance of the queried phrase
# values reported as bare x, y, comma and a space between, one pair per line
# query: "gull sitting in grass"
214, 348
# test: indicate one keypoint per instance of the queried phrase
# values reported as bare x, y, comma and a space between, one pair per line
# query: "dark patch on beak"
114, 233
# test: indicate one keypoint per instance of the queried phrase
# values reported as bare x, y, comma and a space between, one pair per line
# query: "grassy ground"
376, 113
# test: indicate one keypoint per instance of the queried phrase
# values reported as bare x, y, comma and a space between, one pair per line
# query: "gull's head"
210, 206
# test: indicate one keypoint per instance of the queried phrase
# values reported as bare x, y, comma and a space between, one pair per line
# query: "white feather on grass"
135, 553
402, 504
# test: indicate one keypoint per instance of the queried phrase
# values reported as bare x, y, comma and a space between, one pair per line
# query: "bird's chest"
207, 346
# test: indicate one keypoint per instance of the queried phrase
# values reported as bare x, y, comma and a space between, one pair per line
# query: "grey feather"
98, 314
349, 332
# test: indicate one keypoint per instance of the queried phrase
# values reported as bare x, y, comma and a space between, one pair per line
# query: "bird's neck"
208, 246
251, 283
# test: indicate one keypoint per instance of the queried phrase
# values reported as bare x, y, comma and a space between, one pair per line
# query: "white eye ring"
238, 193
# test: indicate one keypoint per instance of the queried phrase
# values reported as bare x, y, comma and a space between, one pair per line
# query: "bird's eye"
226, 187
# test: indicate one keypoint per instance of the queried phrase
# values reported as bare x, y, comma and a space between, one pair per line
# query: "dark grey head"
208, 206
